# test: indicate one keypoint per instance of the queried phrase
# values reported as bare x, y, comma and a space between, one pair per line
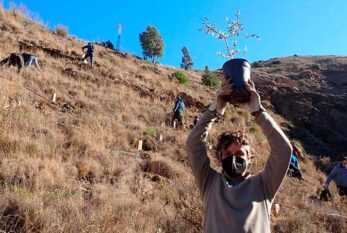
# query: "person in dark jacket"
30, 59
339, 174
89, 53
178, 111
15, 59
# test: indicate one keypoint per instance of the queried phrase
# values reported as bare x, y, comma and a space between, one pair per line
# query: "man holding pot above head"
235, 200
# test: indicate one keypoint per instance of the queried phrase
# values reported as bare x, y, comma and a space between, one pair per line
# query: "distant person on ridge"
294, 170
89, 53
235, 200
178, 111
339, 174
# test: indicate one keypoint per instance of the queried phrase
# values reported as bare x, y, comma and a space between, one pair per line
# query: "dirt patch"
158, 167
12, 219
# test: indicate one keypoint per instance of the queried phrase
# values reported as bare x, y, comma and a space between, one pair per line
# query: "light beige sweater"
240, 206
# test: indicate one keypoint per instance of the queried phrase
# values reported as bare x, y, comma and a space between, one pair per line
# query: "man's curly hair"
227, 138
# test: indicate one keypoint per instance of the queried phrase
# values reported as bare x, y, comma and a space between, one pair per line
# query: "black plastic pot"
238, 71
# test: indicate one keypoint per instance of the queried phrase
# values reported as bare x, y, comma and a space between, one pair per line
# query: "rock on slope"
311, 93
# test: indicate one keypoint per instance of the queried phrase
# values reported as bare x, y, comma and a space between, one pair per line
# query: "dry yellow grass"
73, 165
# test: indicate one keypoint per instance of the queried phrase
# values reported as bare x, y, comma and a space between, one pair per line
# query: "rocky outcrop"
311, 93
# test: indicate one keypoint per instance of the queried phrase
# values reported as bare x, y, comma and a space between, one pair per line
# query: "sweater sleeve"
197, 152
331, 176
280, 153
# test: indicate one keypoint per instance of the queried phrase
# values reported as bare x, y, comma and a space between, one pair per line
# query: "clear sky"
287, 27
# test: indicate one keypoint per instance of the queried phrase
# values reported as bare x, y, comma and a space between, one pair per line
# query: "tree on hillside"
209, 79
234, 31
108, 44
187, 61
152, 43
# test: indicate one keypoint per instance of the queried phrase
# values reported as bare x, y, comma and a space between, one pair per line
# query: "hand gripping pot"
238, 71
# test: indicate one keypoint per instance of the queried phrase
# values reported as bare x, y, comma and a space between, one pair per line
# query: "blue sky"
287, 27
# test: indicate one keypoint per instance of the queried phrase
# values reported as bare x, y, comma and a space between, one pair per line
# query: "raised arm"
175, 106
196, 142
277, 164
331, 176
197, 152
281, 150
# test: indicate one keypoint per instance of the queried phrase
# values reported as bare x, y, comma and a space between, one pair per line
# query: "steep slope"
309, 92
73, 165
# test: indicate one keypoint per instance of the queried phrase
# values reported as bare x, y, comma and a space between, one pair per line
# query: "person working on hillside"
21, 60
89, 53
294, 170
15, 59
235, 200
339, 174
30, 59
178, 111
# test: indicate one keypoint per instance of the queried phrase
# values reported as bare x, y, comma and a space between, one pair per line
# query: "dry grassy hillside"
73, 165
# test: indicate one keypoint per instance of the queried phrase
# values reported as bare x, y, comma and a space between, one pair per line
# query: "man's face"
243, 151
344, 163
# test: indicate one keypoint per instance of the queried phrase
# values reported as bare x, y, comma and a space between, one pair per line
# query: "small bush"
315, 67
158, 167
209, 80
276, 62
181, 77
151, 131
61, 30
258, 64
108, 44
7, 146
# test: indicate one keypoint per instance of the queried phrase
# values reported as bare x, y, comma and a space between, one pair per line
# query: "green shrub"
258, 64
152, 43
151, 131
181, 77
209, 80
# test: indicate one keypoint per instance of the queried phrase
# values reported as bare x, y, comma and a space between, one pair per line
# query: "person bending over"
339, 174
